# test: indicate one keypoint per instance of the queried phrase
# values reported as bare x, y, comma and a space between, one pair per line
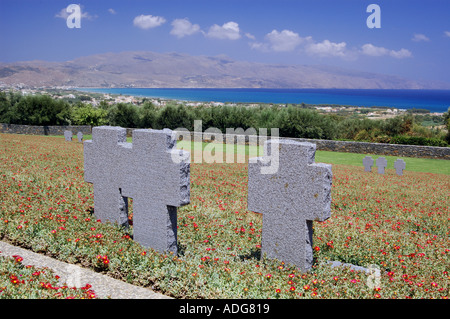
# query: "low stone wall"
381, 149
44, 130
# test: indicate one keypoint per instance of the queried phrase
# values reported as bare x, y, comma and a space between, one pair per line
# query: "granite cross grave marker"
399, 166
290, 199
368, 163
145, 171
381, 164
68, 136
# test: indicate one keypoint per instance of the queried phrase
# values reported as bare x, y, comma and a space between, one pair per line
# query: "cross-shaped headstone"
145, 170
399, 166
290, 199
80, 137
68, 136
368, 163
381, 164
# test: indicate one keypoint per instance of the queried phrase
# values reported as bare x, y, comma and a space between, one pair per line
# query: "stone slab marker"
290, 199
80, 137
399, 166
68, 136
144, 170
368, 163
381, 164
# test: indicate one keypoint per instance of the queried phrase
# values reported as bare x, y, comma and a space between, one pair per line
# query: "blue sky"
413, 40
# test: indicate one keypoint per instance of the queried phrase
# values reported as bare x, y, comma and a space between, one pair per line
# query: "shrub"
418, 140
174, 117
147, 115
88, 115
40, 110
304, 123
124, 115
447, 125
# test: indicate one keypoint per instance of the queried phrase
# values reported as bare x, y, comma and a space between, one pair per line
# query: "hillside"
149, 69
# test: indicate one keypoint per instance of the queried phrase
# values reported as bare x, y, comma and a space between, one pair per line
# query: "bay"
432, 100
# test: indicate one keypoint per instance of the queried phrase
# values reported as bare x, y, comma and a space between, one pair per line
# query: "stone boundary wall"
381, 149
322, 145
44, 130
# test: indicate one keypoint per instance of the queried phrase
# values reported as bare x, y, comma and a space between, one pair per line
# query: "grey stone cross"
399, 166
68, 136
381, 164
144, 170
368, 163
290, 199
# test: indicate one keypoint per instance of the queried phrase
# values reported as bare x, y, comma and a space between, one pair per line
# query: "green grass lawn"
423, 165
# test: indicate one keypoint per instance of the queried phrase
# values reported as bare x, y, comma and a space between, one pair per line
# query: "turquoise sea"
433, 100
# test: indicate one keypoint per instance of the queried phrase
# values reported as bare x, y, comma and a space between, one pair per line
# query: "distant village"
72, 94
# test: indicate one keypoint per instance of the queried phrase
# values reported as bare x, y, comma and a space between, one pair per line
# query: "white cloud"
283, 41
400, 54
420, 37
264, 47
250, 36
229, 30
288, 41
148, 21
112, 11
372, 50
183, 27
327, 48
447, 33
63, 14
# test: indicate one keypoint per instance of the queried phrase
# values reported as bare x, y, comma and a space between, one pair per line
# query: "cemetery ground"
423, 165
398, 223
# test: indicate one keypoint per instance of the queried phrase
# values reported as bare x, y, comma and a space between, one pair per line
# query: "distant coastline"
432, 100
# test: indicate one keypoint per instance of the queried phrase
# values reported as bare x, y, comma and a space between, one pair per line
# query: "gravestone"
144, 170
399, 166
80, 137
381, 164
68, 136
289, 199
368, 163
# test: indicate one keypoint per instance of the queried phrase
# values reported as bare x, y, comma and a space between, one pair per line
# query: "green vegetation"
447, 124
399, 224
33, 110
19, 281
292, 120
87, 115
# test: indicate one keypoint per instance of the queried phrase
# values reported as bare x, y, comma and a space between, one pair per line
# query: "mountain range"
164, 70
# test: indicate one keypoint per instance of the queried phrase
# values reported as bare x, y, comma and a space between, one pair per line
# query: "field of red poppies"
399, 225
